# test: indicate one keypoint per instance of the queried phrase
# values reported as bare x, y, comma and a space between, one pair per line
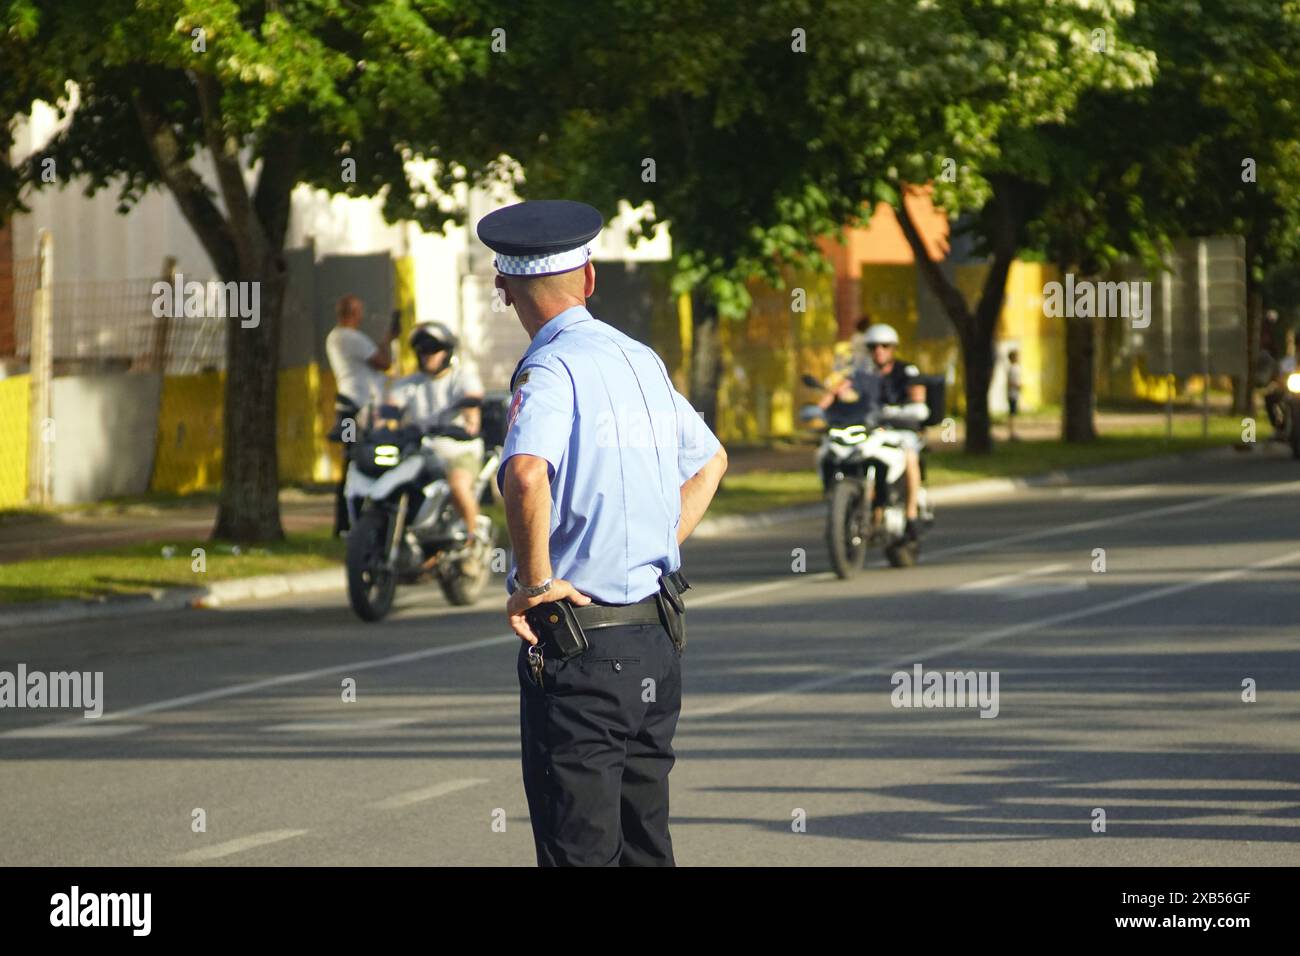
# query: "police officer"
605, 472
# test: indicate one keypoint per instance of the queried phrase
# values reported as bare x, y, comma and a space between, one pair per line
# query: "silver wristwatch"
533, 592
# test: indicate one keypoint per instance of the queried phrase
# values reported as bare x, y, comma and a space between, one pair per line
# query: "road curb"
217, 594
236, 590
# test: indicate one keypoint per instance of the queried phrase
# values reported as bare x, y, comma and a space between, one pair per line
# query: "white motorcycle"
405, 527
863, 469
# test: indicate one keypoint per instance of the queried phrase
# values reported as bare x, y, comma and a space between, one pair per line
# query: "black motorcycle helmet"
430, 337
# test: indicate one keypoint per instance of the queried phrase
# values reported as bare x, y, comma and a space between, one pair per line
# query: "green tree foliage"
268, 95
993, 79
722, 114
1211, 147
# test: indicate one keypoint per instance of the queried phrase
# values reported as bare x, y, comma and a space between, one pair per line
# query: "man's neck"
886, 368
537, 316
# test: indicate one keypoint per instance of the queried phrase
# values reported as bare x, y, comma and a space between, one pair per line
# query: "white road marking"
1025, 592
988, 637
84, 728
235, 690
239, 845
776, 585
333, 725
412, 797
1281, 489
1114, 494
992, 584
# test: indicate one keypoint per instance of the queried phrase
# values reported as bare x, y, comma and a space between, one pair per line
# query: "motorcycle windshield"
841, 414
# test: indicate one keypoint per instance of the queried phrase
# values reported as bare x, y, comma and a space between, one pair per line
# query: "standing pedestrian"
1014, 379
358, 364
605, 472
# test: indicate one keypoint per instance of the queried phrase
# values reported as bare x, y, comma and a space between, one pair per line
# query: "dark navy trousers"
597, 748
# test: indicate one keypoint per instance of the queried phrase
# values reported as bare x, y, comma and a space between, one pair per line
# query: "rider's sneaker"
913, 530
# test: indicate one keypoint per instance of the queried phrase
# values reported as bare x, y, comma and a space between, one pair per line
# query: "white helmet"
880, 334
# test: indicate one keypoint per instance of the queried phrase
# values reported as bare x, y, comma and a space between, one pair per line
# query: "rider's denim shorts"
467, 455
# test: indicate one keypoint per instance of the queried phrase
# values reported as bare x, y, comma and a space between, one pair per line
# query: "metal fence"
110, 326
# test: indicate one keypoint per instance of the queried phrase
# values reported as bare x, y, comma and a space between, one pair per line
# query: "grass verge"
139, 568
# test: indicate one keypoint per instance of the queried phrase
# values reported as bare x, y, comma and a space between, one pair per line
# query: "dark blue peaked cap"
541, 237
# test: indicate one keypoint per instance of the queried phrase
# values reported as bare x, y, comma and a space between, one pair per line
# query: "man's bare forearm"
698, 492
473, 420
527, 493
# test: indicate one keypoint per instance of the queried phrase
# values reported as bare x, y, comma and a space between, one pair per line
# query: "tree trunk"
249, 506
245, 241
706, 356
974, 330
1077, 424
1254, 322
977, 354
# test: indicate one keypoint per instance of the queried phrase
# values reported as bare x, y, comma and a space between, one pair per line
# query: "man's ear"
588, 279
500, 283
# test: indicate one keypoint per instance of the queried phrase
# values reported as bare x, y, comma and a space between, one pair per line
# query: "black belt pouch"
672, 609
555, 624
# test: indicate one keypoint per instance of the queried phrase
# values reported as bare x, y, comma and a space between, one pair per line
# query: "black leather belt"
593, 616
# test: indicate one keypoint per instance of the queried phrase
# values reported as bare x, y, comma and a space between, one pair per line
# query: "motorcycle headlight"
852, 435
1293, 382
386, 455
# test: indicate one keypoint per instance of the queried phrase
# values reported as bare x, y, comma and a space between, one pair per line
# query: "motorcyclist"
431, 398
894, 398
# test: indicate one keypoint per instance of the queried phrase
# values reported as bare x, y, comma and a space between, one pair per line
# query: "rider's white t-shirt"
429, 401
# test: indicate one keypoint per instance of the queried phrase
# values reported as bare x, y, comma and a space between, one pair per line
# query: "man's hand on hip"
520, 602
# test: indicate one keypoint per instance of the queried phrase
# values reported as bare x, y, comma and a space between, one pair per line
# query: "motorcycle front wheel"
463, 584
371, 586
846, 534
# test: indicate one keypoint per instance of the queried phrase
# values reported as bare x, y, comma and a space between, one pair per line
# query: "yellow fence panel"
298, 426
14, 395
888, 294
788, 331
190, 436
328, 455
404, 303
189, 433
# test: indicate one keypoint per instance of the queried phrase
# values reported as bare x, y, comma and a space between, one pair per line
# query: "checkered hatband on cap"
545, 264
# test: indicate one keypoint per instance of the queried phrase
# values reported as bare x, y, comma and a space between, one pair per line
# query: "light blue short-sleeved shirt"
620, 441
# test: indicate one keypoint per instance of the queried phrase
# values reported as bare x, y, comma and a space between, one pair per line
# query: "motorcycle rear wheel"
846, 537
370, 587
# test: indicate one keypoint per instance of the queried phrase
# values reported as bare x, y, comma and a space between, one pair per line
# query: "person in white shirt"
432, 398
1014, 378
357, 362
358, 365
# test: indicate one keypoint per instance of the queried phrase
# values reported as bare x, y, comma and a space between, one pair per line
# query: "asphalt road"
1118, 690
